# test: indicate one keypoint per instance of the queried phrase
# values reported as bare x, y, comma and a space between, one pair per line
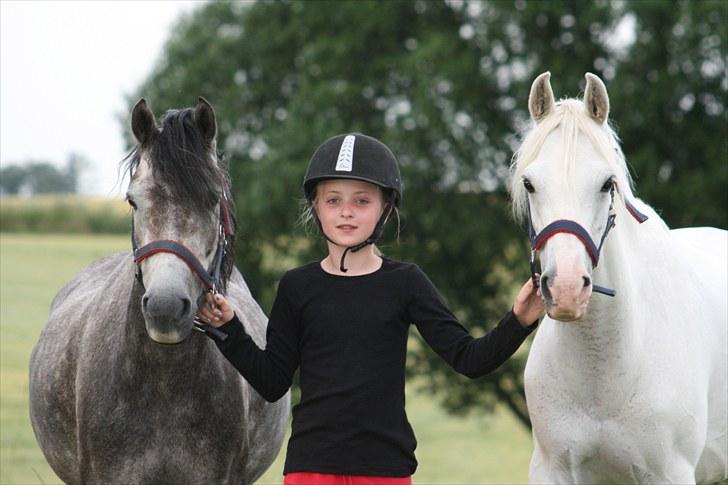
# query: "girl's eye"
607, 187
529, 187
362, 201
332, 201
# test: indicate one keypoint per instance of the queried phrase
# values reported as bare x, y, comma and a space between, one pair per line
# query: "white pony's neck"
608, 343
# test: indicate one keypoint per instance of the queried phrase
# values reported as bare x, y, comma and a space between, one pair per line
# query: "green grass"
472, 450
32, 269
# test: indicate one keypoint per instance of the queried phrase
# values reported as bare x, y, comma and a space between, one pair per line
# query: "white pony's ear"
541, 100
205, 118
143, 123
596, 99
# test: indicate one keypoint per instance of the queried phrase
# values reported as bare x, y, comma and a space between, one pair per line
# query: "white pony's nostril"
545, 290
587, 281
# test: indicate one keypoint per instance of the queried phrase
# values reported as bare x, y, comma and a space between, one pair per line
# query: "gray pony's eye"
130, 201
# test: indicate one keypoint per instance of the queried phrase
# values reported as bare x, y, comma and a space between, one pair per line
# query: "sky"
65, 70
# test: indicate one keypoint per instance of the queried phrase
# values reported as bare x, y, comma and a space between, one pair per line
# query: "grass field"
69, 214
473, 450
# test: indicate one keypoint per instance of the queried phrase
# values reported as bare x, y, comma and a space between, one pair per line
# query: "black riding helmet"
358, 157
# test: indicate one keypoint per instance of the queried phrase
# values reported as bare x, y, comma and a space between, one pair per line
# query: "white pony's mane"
571, 115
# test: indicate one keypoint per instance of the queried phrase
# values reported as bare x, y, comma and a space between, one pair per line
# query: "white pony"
630, 388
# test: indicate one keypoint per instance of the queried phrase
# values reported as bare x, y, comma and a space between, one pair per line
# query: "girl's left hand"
529, 305
216, 311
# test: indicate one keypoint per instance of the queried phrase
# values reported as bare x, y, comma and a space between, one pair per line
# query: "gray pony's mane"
193, 172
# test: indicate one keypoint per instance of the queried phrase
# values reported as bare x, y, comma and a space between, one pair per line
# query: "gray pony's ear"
596, 99
205, 119
541, 100
143, 123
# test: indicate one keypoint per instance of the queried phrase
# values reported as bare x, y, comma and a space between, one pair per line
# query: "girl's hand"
216, 311
529, 306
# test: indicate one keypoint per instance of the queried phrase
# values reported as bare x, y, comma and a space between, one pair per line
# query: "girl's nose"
346, 210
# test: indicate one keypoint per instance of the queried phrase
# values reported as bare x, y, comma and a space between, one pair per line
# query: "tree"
38, 177
11, 179
444, 84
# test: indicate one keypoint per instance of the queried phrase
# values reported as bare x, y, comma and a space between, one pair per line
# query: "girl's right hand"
529, 305
216, 311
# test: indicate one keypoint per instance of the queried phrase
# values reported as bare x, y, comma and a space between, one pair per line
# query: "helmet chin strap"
376, 234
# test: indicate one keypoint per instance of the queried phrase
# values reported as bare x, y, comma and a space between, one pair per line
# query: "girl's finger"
222, 303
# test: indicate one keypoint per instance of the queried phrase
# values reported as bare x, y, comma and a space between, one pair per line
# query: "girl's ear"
312, 203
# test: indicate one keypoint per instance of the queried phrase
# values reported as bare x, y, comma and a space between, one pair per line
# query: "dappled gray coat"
121, 389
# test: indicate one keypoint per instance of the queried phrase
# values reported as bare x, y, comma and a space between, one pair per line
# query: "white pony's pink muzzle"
566, 282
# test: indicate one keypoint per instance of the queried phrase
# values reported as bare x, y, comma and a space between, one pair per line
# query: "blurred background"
443, 83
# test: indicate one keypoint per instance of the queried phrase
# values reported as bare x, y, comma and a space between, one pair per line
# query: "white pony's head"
566, 169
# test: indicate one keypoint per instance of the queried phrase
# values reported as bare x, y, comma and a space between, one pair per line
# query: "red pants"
303, 478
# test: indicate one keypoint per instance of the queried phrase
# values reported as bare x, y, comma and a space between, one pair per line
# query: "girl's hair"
309, 220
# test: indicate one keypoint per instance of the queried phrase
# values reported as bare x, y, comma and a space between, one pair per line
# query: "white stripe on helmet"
346, 154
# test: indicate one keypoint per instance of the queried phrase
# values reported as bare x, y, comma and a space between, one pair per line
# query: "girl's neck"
362, 262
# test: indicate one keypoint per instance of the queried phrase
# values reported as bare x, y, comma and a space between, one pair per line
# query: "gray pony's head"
177, 190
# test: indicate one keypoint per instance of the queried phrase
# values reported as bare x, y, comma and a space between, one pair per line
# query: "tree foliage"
40, 177
445, 85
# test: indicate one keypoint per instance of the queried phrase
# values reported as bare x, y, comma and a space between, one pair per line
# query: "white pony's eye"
607, 187
529, 187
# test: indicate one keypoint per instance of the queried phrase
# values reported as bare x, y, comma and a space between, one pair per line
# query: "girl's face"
348, 209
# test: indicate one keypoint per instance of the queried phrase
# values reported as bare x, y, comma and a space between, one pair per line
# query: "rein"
538, 240
211, 278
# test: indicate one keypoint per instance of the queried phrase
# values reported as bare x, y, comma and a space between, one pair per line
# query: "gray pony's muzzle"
167, 316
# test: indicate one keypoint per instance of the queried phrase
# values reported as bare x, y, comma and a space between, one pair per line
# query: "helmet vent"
346, 154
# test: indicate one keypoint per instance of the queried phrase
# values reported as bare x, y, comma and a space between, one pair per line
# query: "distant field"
474, 450
64, 214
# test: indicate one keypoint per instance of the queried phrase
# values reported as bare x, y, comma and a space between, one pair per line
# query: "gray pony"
122, 390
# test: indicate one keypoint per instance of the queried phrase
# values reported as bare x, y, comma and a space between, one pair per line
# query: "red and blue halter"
571, 227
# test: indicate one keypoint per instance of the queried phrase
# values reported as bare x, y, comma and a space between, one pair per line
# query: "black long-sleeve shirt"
348, 335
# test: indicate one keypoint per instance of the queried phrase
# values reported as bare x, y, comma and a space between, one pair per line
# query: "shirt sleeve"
472, 357
270, 370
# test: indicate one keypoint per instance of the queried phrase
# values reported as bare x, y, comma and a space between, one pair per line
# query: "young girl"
344, 322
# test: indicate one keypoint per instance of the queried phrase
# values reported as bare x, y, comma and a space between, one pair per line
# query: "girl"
344, 321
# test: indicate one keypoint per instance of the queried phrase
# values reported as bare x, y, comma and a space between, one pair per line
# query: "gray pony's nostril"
145, 300
186, 304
